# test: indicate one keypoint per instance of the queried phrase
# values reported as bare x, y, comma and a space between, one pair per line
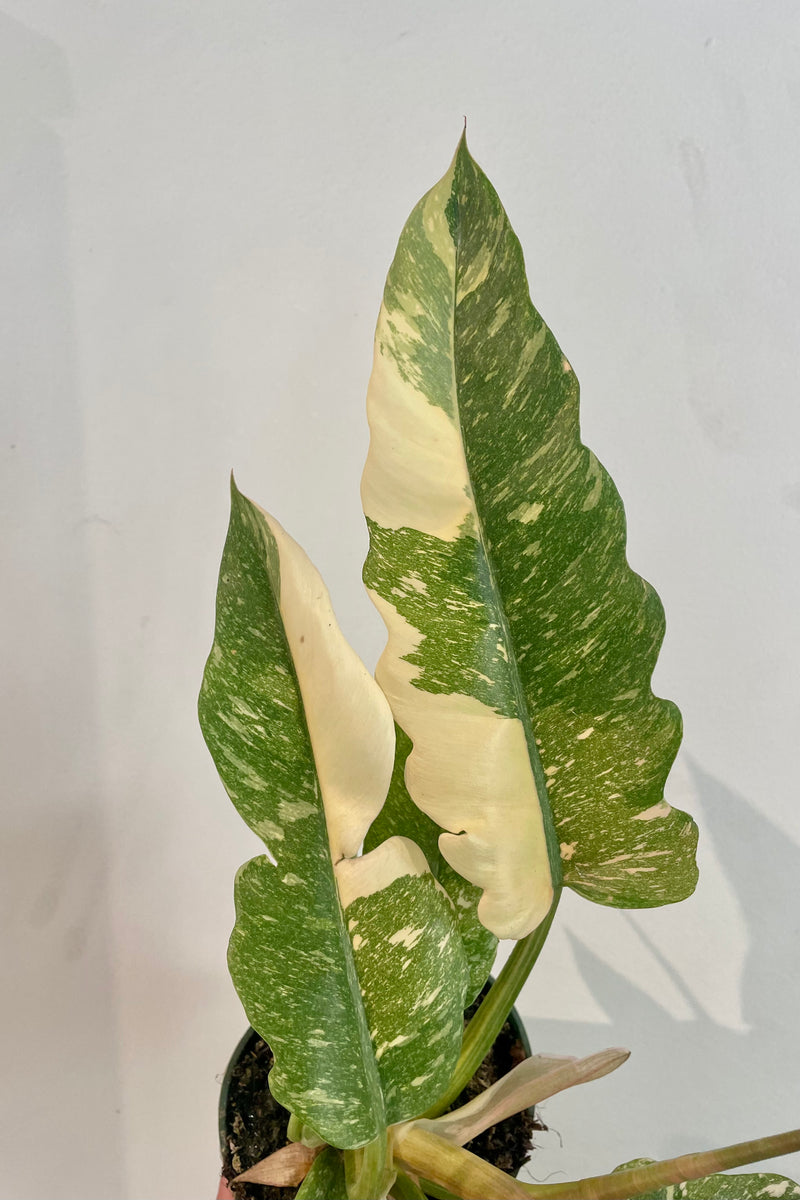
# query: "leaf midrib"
551, 838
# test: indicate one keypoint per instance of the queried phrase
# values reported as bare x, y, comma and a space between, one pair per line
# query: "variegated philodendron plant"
509, 746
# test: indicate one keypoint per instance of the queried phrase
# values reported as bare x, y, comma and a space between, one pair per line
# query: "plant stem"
366, 1170
635, 1182
491, 1016
470, 1178
451, 1167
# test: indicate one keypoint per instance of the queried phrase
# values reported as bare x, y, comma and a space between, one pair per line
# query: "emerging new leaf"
521, 644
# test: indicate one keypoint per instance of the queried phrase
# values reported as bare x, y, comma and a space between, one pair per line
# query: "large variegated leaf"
521, 644
761, 1186
303, 740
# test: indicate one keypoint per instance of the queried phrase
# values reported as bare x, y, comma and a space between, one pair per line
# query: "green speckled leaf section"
585, 627
400, 816
290, 961
414, 977
761, 1186
659, 1193
290, 955
539, 575
325, 1180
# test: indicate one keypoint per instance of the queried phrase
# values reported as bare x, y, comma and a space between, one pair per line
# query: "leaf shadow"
692, 1083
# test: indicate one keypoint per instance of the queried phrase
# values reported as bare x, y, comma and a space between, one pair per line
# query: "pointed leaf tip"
462, 150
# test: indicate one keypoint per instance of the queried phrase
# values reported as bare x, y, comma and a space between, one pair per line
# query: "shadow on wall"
695, 1083
60, 1099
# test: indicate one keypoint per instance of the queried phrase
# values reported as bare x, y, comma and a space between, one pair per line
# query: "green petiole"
484, 1027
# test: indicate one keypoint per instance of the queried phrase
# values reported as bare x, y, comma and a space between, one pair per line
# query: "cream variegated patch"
470, 772
428, 490
370, 873
349, 721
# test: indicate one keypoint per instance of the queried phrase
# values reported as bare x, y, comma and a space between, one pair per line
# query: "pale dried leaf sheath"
285, 1168
531, 1082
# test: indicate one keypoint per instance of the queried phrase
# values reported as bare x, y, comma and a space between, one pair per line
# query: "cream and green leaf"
352, 968
520, 643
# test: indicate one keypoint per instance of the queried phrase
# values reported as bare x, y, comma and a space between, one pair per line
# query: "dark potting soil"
257, 1123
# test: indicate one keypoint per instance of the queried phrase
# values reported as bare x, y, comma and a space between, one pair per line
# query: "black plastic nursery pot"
252, 1124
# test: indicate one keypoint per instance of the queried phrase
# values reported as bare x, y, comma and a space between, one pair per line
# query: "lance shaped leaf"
303, 740
521, 644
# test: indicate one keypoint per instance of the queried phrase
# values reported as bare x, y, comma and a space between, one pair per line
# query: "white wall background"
200, 203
